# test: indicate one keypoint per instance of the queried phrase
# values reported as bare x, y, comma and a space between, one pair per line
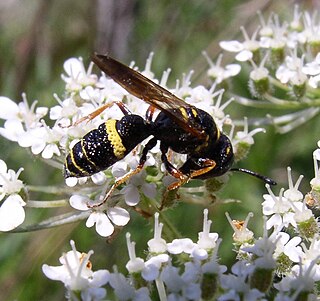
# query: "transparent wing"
142, 87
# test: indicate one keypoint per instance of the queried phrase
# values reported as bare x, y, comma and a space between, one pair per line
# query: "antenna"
252, 173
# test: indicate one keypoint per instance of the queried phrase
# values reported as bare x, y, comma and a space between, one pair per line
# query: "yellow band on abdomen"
114, 138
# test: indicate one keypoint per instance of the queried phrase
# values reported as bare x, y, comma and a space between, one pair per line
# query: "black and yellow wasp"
179, 126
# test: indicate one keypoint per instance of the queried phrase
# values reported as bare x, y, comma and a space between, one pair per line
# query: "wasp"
179, 126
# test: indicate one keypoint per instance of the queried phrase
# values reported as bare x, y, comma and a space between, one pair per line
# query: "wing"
142, 87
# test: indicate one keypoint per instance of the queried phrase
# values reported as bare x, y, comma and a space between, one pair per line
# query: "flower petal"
12, 213
99, 278
244, 56
233, 46
118, 216
79, 202
9, 109
103, 225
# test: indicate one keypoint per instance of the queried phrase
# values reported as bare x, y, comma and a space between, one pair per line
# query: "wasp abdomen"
104, 146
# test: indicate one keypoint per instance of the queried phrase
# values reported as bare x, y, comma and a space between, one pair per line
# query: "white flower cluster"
187, 270
284, 57
284, 41
52, 132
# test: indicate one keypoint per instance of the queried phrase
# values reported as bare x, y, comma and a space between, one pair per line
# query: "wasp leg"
172, 170
151, 143
97, 112
149, 113
208, 165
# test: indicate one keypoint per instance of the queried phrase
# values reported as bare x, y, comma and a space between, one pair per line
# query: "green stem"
276, 103
47, 204
55, 221
49, 189
169, 230
278, 84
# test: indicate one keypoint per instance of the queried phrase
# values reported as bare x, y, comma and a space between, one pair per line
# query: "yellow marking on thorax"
228, 150
183, 112
115, 139
218, 133
194, 112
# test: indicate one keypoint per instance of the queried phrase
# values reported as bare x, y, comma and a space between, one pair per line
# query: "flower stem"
47, 204
161, 290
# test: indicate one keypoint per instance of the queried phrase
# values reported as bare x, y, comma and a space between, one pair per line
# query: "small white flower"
66, 109
9, 182
30, 116
153, 266
259, 72
182, 245
310, 34
207, 240
77, 275
241, 233
313, 70
263, 249
266, 27
135, 264
44, 140
11, 211
103, 221
218, 73
157, 244
279, 208
20, 118
278, 39
203, 99
245, 50
246, 137
291, 71
77, 77
301, 212
293, 194
287, 245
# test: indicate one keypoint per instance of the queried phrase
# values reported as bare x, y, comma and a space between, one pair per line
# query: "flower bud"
308, 228
262, 279
259, 81
209, 286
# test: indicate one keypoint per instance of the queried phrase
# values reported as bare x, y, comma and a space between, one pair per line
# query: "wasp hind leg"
100, 110
151, 143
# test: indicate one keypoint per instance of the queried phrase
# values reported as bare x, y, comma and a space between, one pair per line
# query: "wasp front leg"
151, 143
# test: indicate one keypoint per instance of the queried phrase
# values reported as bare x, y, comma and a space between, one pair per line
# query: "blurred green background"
36, 37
